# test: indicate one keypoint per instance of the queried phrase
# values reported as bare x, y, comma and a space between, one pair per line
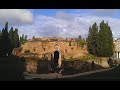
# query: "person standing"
92, 65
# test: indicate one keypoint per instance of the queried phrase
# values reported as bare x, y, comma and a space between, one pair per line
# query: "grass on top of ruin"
85, 58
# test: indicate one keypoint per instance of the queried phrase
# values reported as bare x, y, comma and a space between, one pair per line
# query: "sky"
59, 22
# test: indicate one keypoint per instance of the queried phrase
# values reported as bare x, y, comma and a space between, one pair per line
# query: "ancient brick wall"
69, 49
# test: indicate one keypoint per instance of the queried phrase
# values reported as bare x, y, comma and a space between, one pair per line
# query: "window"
72, 48
69, 43
44, 49
34, 49
65, 50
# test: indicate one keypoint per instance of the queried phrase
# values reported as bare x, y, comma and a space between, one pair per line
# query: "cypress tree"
89, 47
5, 34
16, 38
79, 37
25, 37
0, 42
33, 37
0, 34
5, 40
93, 39
105, 40
11, 37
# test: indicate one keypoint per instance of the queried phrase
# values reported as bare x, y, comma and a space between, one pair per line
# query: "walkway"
104, 74
113, 74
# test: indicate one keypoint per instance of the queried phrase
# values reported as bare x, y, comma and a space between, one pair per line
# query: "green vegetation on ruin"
85, 58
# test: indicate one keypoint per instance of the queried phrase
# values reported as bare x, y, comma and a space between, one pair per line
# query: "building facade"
116, 48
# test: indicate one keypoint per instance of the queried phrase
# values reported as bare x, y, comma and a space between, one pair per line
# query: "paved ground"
113, 74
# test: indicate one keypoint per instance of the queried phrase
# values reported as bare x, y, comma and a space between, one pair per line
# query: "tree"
5, 31
80, 37
5, 40
11, 38
16, 38
0, 42
80, 41
92, 40
4, 34
6, 26
33, 37
105, 40
0, 34
8, 41
89, 45
25, 37
111, 45
22, 39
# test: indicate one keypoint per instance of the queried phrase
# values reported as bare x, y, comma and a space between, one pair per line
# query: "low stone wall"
70, 67
79, 66
102, 62
31, 66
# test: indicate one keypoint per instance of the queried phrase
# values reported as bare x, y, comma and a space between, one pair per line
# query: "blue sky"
52, 12
59, 22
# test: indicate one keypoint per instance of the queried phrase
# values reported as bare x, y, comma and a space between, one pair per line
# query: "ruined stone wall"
69, 49
70, 67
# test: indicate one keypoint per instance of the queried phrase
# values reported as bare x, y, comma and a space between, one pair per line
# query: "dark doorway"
72, 48
118, 54
44, 49
66, 50
34, 49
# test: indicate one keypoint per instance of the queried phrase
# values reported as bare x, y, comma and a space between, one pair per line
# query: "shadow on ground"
11, 68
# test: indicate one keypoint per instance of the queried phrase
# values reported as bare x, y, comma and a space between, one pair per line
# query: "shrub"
27, 51
89, 57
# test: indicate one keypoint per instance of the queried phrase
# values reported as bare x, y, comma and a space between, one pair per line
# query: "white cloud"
63, 26
64, 16
16, 16
97, 12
